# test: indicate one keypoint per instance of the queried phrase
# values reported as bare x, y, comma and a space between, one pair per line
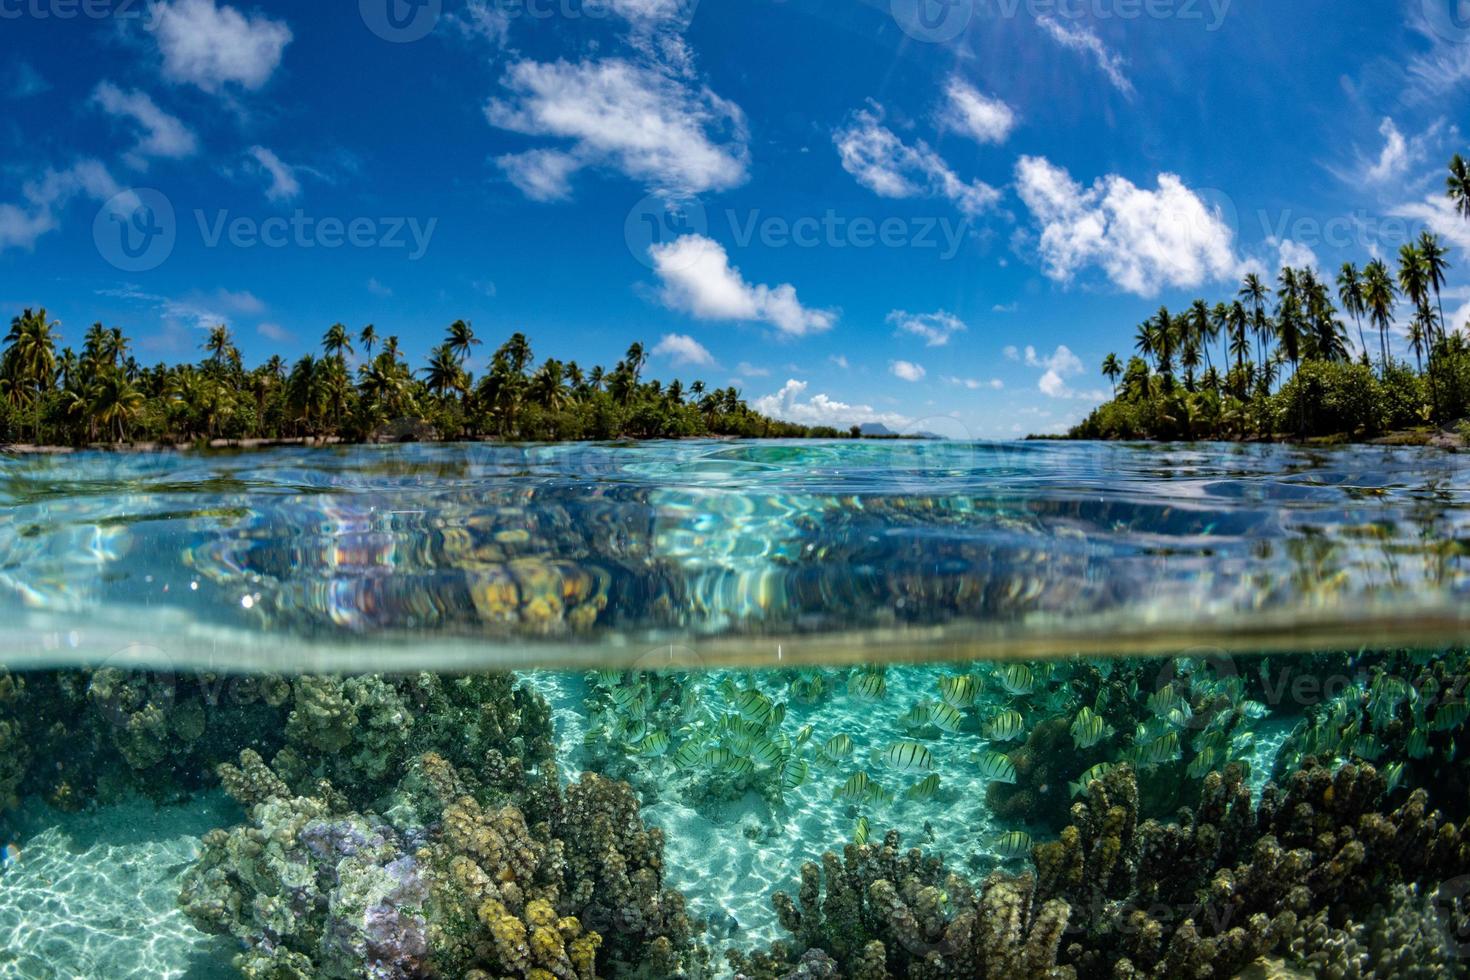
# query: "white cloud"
935, 328
907, 370
1011, 352
1056, 368
162, 135
212, 46
1438, 214
974, 384
481, 20
43, 199
1085, 40
276, 332
284, 184
888, 167
983, 118
1005, 307
683, 349
747, 370
821, 409
541, 175
698, 279
1142, 239
1446, 65
1394, 159
378, 289
839, 360
1295, 255
674, 136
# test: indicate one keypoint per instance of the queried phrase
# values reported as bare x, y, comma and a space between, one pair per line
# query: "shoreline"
1442, 439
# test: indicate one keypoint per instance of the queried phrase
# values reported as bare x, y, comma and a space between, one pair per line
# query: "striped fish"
1088, 729
739, 766
766, 752
1096, 772
908, 757
609, 678
924, 789
959, 690
1451, 714
1201, 764
803, 734
1005, 726
624, 696
838, 747
1016, 679
867, 686
1163, 749
996, 768
718, 757
1162, 700
754, 706
1014, 844
793, 773
946, 717
1393, 773
917, 716
654, 744
860, 831
857, 787
1418, 747
690, 754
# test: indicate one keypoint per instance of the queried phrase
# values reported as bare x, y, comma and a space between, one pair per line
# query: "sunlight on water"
498, 555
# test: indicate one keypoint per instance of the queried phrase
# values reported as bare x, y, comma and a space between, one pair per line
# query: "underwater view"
734, 490
321, 743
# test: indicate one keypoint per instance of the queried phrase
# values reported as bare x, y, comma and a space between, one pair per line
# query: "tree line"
1277, 359
56, 395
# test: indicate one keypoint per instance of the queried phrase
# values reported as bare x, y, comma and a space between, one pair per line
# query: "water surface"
454, 556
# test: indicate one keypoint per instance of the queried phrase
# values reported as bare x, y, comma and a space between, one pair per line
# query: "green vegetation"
1285, 368
103, 395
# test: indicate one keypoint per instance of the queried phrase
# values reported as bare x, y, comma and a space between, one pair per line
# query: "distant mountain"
877, 430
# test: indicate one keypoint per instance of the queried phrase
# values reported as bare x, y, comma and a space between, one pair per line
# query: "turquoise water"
485, 555
400, 712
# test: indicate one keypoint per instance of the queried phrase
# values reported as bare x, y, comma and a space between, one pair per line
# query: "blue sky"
939, 214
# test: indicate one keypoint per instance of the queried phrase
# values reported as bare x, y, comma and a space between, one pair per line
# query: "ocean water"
904, 709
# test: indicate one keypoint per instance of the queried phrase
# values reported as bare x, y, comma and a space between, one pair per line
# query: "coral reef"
453, 882
1304, 875
880, 912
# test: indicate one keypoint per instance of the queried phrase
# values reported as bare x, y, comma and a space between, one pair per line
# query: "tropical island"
101, 395
1283, 367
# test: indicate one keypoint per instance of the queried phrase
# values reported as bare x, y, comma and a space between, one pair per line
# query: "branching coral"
881, 912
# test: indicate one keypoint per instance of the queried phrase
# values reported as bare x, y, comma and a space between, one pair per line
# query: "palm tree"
1145, 339
1111, 370
30, 360
1238, 323
1378, 300
335, 341
1417, 336
1435, 265
1457, 186
443, 373
461, 339
1350, 294
221, 346
635, 359
368, 338
1254, 292
115, 402
1202, 328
